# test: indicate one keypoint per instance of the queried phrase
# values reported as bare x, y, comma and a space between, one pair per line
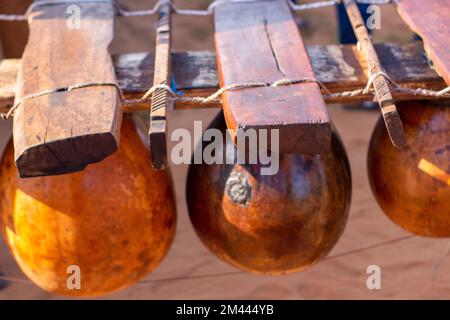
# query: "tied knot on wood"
216, 96
213, 98
48, 92
368, 89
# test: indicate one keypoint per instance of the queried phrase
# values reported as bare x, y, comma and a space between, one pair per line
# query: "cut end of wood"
292, 138
64, 130
398, 141
157, 137
54, 158
395, 128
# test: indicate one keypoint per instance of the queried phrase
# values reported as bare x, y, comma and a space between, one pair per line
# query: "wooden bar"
430, 20
340, 68
383, 93
259, 42
64, 132
161, 97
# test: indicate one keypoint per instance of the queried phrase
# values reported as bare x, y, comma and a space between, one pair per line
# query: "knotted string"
215, 97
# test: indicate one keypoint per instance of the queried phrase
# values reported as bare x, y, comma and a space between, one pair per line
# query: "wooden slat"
381, 87
66, 131
430, 20
160, 98
260, 42
338, 67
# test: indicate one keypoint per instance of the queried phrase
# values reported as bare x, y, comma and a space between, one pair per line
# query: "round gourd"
411, 184
113, 222
271, 224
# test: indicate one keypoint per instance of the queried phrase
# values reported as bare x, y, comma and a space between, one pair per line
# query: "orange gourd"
114, 221
411, 184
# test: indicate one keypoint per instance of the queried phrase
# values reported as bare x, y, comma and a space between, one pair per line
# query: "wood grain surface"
340, 68
430, 20
64, 132
260, 43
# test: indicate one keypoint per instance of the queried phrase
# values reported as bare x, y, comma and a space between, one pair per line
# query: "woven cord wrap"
215, 97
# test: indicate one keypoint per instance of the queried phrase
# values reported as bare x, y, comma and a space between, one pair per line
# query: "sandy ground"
412, 268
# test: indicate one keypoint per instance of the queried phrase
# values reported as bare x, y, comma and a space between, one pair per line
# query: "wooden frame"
338, 67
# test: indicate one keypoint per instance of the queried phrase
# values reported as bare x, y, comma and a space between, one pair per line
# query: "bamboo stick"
160, 98
383, 93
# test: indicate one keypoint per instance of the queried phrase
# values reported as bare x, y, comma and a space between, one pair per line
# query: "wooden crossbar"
339, 68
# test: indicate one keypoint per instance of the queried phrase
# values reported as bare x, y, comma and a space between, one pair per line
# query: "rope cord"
215, 97
121, 11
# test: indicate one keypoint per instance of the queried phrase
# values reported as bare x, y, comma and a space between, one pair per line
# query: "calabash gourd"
114, 221
271, 224
412, 184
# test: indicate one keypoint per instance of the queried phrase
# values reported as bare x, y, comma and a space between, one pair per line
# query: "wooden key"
65, 131
430, 20
161, 97
260, 42
383, 93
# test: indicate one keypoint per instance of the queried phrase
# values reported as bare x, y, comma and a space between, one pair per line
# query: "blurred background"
412, 267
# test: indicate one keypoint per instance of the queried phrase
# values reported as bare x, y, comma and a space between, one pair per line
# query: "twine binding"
121, 11
215, 97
